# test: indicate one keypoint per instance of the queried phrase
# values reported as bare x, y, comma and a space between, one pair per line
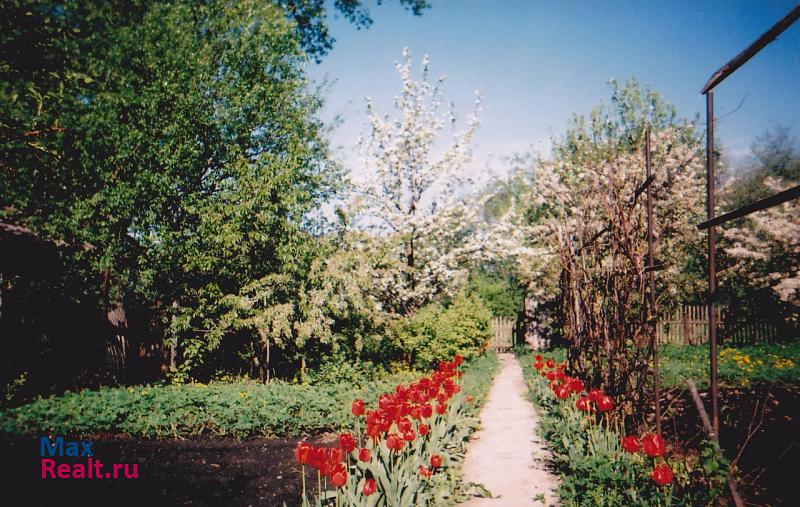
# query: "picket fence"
688, 325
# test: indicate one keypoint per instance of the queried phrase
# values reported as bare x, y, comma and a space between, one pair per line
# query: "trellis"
712, 426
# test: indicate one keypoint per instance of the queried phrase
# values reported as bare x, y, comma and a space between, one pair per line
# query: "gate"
503, 330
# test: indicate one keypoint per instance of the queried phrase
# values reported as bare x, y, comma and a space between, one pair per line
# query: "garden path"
506, 455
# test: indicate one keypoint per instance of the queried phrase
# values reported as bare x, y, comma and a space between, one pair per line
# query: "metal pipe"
652, 276
737, 499
712, 267
751, 50
761, 204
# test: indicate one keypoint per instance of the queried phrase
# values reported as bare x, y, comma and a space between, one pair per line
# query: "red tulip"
662, 474
370, 487
357, 408
458, 359
653, 445
347, 442
409, 436
551, 376
630, 444
441, 408
562, 392
423, 429
335, 455
436, 461
395, 442
302, 452
425, 471
576, 386
426, 410
538, 365
595, 395
404, 425
583, 404
318, 457
605, 404
550, 363
538, 357
363, 454
339, 475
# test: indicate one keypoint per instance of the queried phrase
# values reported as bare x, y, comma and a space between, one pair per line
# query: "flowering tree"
412, 195
586, 214
765, 248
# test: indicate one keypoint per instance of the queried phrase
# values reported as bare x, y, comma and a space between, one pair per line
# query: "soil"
769, 465
203, 471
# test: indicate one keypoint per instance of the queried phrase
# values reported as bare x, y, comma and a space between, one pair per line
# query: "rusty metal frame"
651, 272
720, 75
793, 193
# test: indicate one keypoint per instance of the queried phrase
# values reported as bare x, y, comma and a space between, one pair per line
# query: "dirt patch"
204, 471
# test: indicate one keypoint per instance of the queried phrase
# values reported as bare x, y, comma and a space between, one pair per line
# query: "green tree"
176, 141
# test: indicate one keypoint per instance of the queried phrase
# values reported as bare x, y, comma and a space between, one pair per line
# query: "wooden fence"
688, 325
503, 330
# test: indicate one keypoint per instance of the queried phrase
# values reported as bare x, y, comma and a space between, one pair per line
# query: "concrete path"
505, 455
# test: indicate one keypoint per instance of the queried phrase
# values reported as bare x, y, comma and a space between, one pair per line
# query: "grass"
741, 366
239, 409
737, 366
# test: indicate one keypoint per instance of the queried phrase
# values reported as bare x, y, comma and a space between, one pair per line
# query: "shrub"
436, 332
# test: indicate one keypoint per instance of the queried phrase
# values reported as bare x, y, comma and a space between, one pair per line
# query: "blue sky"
539, 62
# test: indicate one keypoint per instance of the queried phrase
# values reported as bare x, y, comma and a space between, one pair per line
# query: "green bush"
501, 292
436, 333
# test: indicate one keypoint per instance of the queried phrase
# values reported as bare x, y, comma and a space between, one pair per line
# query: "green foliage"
311, 19
618, 128
775, 153
500, 291
332, 369
173, 148
436, 333
238, 409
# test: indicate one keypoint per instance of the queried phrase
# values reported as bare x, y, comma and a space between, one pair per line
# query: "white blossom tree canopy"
413, 195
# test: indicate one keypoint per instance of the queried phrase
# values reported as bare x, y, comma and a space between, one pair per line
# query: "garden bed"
200, 471
198, 467
759, 389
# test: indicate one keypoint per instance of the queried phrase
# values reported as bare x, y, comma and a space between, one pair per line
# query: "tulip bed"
598, 462
406, 450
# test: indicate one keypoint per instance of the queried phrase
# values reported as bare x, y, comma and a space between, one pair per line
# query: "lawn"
740, 366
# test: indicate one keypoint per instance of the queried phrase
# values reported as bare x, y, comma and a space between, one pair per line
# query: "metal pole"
652, 277
712, 267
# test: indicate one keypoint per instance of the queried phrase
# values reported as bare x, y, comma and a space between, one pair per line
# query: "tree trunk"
263, 366
173, 343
